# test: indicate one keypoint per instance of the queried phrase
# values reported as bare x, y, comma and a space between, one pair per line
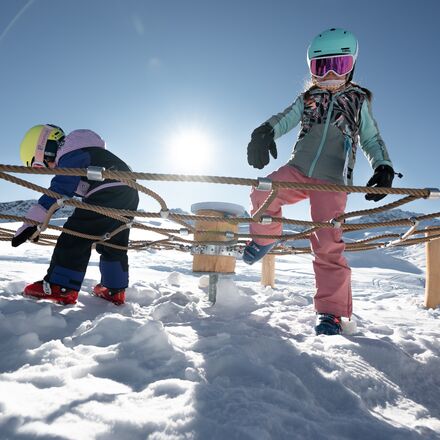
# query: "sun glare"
191, 150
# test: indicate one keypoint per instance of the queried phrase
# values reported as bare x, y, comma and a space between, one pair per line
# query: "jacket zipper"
324, 135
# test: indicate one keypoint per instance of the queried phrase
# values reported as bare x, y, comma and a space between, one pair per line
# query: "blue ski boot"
328, 324
254, 252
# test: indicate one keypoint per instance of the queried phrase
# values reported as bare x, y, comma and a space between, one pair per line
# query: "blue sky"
148, 76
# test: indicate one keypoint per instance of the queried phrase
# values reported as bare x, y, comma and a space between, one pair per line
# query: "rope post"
211, 261
214, 258
268, 270
432, 286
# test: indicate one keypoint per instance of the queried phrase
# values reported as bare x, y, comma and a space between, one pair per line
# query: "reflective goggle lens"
340, 64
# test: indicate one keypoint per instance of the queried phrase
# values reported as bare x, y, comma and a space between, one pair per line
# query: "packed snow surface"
169, 365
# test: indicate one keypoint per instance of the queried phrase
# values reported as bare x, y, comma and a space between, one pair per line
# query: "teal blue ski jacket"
333, 125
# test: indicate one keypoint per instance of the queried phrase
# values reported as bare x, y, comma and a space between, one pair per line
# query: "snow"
169, 365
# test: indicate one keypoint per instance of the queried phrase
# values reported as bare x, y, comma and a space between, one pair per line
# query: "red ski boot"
53, 292
113, 295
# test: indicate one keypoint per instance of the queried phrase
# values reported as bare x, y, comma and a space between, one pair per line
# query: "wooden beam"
432, 286
268, 270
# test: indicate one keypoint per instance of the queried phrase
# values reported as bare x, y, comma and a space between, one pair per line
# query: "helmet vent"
333, 42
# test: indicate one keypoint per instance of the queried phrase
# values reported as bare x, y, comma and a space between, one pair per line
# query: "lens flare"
191, 150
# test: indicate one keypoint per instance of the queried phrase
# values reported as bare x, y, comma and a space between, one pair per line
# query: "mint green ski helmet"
333, 41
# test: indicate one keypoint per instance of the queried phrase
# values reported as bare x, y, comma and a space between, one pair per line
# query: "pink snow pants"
332, 273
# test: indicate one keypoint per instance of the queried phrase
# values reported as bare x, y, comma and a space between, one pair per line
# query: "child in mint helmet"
335, 117
47, 146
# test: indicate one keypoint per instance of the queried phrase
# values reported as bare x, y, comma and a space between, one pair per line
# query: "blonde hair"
310, 86
308, 83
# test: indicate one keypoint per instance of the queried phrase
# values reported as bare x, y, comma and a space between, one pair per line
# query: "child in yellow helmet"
47, 146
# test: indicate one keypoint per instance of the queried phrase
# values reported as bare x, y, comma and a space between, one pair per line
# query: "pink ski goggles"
339, 64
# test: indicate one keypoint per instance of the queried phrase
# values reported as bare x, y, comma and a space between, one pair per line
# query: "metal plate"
216, 250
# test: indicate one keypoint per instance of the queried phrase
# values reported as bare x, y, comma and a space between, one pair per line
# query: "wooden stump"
213, 263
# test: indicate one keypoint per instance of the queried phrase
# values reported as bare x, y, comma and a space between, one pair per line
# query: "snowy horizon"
169, 365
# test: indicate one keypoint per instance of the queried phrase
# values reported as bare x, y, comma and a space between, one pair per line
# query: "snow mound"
231, 299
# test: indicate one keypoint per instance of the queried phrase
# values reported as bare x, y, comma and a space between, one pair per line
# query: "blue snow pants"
72, 254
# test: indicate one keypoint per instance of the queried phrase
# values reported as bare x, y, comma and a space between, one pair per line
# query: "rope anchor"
95, 173
106, 236
264, 184
434, 193
415, 222
335, 223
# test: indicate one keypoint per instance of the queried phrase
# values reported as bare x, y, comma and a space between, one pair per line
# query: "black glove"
23, 236
261, 144
383, 176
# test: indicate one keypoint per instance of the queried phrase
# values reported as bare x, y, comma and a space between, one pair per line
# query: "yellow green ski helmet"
40, 145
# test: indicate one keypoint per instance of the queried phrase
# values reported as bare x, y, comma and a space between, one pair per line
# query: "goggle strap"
41, 144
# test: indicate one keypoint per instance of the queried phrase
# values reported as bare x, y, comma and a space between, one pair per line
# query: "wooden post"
268, 270
213, 263
432, 286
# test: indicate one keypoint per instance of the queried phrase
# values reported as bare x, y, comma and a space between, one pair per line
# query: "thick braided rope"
129, 175
260, 211
176, 217
165, 244
116, 214
149, 192
285, 237
379, 209
52, 194
315, 225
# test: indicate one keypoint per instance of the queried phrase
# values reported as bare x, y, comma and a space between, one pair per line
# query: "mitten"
383, 176
262, 143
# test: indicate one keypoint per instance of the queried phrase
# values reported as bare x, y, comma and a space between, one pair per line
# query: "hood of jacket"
78, 139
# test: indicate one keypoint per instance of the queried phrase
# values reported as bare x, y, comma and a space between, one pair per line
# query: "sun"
191, 150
